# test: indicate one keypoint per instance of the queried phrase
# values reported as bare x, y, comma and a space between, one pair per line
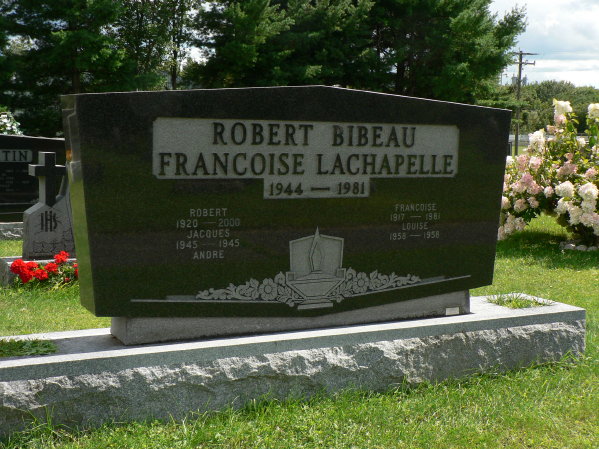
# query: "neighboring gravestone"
266, 209
47, 227
18, 190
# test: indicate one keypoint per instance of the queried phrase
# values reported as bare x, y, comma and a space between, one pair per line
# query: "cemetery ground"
546, 406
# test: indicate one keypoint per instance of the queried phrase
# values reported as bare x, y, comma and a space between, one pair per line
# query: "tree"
539, 102
233, 38
141, 31
178, 18
68, 51
444, 49
155, 36
4, 72
265, 43
441, 49
328, 42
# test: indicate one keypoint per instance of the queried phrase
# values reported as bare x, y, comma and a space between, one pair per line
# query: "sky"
564, 33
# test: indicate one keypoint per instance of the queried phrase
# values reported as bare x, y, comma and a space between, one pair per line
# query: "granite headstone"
47, 226
291, 207
18, 190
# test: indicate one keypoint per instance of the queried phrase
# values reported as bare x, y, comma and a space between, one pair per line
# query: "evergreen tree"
327, 43
443, 49
234, 37
296, 42
67, 51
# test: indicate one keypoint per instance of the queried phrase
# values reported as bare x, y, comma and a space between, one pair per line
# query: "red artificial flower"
67, 279
25, 276
51, 268
18, 266
40, 274
77, 273
61, 257
24, 269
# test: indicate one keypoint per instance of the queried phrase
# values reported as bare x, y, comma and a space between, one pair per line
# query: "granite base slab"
94, 378
11, 231
134, 331
7, 276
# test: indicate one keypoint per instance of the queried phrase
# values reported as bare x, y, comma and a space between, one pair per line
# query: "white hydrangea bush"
8, 124
558, 174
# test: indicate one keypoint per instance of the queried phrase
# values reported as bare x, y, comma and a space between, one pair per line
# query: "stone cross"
47, 225
49, 175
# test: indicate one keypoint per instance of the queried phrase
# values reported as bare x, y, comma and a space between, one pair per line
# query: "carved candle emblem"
316, 254
315, 269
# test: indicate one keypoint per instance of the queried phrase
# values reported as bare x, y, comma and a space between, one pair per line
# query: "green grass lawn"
548, 406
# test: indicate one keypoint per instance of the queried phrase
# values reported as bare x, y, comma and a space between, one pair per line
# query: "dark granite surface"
19, 190
163, 231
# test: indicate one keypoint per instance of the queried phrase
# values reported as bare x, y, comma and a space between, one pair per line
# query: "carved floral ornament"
276, 289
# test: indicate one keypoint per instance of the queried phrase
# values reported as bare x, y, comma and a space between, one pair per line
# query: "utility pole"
520, 63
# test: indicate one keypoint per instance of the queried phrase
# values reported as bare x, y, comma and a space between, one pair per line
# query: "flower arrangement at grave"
8, 124
558, 174
57, 273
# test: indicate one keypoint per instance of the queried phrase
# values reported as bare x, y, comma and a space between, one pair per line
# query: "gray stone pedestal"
11, 231
94, 378
135, 331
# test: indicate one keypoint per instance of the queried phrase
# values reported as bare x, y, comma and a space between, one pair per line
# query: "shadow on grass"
544, 248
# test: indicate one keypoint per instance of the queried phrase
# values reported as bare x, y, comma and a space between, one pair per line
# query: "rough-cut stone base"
95, 378
11, 231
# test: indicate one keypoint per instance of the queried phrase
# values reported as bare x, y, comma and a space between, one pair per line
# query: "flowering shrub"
58, 272
558, 174
8, 124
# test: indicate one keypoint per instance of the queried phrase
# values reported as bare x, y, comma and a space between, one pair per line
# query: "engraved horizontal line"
317, 189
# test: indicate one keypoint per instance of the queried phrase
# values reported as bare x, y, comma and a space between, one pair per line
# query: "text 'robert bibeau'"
252, 149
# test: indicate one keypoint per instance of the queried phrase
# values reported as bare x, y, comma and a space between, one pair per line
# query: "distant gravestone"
267, 209
47, 226
18, 190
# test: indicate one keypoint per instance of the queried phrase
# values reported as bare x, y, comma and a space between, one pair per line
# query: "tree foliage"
179, 34
154, 35
234, 38
140, 30
66, 52
538, 98
444, 49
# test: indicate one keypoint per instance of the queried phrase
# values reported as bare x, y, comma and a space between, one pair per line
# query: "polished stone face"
288, 201
19, 190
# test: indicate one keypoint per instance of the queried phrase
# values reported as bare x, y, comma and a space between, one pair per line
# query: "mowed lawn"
548, 406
